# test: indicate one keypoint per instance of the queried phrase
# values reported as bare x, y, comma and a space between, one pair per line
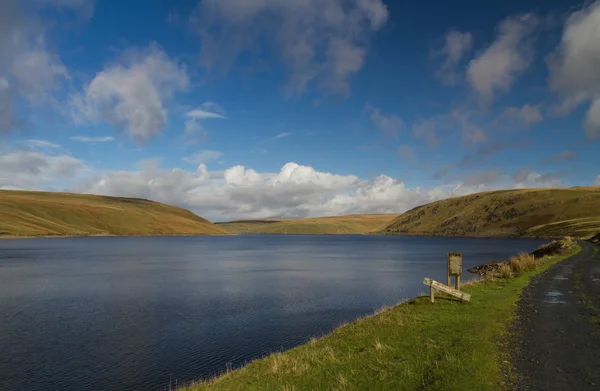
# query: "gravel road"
555, 338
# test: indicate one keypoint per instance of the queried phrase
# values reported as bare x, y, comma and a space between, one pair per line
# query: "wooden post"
431, 295
454, 268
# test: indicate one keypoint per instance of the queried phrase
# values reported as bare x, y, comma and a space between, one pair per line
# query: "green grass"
28, 213
335, 225
526, 212
416, 345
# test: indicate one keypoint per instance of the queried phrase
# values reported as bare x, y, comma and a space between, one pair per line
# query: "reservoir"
148, 313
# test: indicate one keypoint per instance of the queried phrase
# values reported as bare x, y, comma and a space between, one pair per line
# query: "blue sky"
263, 108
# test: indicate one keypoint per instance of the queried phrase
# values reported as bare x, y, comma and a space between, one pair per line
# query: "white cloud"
295, 190
38, 73
597, 180
22, 169
575, 63
525, 178
390, 124
282, 135
85, 139
29, 70
456, 45
520, 117
239, 192
131, 94
204, 156
41, 144
320, 40
496, 68
207, 110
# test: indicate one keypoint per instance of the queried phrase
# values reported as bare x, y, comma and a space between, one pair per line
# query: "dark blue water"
145, 313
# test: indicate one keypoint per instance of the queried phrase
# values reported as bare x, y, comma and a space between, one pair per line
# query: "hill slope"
353, 224
27, 213
527, 212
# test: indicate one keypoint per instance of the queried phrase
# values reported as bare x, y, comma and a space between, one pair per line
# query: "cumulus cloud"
320, 40
456, 45
240, 192
575, 63
390, 124
294, 191
131, 94
24, 169
516, 118
496, 67
29, 70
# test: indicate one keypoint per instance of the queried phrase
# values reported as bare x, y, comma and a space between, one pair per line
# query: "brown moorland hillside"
29, 213
525, 212
335, 225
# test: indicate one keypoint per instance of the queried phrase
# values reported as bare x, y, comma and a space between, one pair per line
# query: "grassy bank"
335, 225
38, 214
416, 345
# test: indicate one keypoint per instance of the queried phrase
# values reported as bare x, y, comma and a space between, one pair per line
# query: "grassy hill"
27, 213
353, 224
526, 212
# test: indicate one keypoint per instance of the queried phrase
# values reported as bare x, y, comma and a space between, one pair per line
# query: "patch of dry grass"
522, 263
29, 213
522, 212
505, 271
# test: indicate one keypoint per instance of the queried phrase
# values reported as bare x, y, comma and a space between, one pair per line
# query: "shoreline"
280, 234
414, 344
12, 237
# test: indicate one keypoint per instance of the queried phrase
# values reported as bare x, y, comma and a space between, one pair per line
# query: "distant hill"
527, 212
27, 213
353, 224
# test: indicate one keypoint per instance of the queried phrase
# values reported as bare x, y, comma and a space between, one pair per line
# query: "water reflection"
139, 313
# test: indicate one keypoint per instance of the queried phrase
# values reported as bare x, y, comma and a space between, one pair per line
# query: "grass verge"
416, 345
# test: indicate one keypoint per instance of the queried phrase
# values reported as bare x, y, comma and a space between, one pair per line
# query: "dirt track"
555, 339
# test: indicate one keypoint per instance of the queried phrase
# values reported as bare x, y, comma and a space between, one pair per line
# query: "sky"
291, 108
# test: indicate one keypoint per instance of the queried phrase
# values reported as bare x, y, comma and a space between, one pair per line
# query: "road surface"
555, 339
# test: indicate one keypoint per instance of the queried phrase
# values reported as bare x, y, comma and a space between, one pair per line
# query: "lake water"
145, 313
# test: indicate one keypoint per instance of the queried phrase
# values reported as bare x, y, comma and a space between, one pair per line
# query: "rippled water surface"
145, 313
